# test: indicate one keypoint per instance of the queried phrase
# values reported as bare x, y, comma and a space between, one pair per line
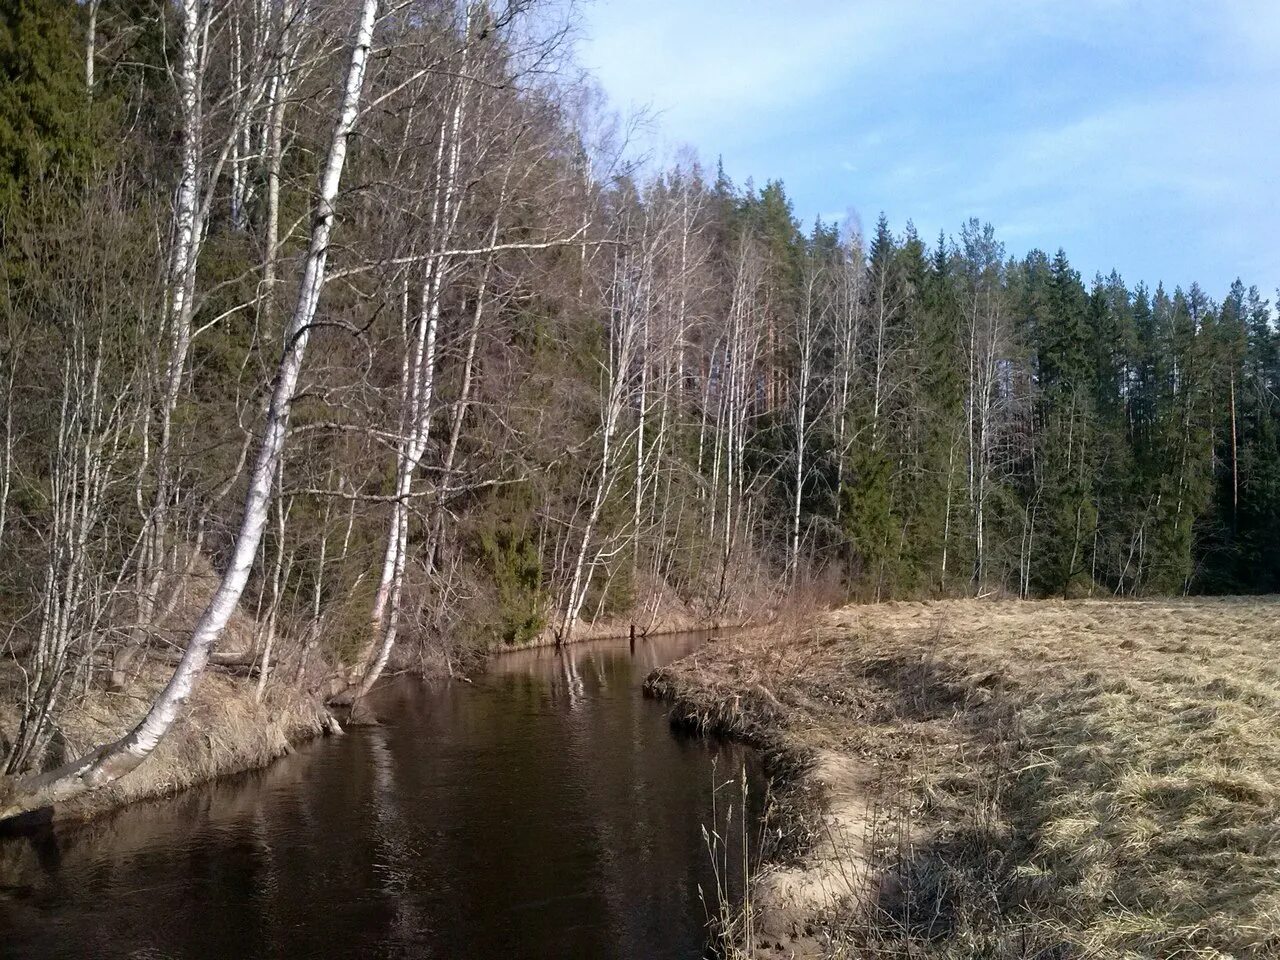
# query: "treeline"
956, 421
339, 331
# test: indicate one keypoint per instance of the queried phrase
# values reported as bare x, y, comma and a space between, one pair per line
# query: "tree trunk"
114, 760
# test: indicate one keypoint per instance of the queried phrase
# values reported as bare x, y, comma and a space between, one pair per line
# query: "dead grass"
224, 731
1051, 779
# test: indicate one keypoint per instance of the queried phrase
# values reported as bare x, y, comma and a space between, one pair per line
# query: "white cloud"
1135, 132
716, 66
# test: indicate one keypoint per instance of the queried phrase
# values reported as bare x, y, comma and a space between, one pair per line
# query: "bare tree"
114, 760
808, 335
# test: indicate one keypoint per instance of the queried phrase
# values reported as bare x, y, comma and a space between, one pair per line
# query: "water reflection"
545, 811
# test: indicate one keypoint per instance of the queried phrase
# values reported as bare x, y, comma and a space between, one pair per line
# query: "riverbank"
752, 608
224, 731
1008, 779
662, 626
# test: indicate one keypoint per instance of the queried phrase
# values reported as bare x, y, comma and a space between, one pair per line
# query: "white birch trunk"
112, 761
443, 218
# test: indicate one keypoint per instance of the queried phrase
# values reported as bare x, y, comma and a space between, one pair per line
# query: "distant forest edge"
328, 325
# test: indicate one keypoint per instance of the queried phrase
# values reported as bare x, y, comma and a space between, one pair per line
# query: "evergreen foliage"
45, 133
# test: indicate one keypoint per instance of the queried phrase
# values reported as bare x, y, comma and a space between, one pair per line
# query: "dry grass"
1053, 779
223, 731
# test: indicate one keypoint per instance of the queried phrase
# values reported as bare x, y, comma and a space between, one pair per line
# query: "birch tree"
111, 761
808, 334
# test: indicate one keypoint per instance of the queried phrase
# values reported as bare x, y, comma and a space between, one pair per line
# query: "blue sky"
1136, 134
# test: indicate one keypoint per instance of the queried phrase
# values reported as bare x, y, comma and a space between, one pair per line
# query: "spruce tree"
45, 131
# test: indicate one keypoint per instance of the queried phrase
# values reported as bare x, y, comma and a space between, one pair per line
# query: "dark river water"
546, 811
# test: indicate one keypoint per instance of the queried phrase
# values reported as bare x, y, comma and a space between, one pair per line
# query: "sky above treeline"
1135, 134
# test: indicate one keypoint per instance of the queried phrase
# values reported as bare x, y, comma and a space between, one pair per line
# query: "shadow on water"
547, 810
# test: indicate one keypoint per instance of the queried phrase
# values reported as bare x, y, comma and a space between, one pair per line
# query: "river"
548, 810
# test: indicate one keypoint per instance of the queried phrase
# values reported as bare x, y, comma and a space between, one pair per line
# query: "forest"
344, 333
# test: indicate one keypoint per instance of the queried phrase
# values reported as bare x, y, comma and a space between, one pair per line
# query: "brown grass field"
1011, 779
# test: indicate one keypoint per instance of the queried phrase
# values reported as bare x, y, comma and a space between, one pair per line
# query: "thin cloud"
1135, 133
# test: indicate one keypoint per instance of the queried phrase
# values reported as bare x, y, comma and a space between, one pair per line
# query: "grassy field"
1007, 779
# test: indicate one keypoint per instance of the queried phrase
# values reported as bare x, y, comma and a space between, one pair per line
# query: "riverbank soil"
1053, 779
